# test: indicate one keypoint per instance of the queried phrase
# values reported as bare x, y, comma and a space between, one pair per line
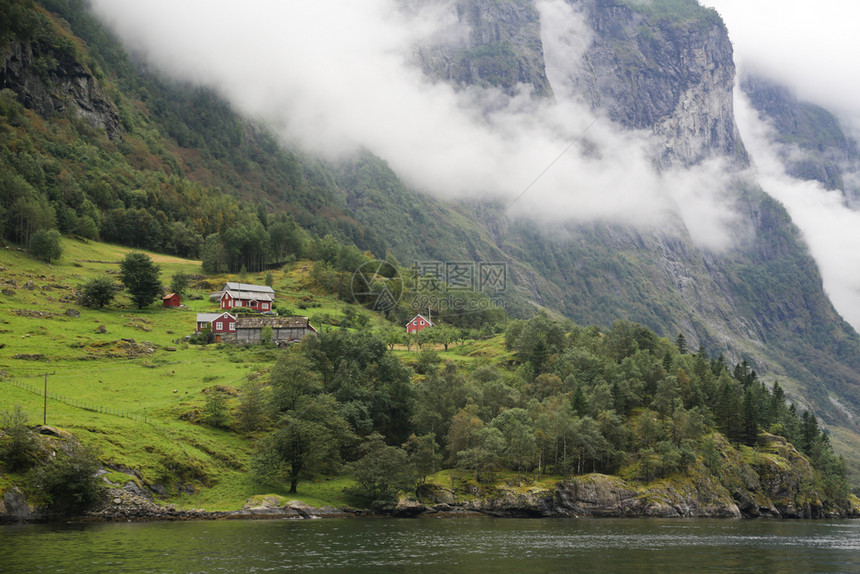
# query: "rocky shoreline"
589, 496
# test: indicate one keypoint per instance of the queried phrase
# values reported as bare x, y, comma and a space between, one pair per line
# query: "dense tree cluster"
578, 400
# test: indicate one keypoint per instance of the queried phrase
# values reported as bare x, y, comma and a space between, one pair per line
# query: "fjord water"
435, 545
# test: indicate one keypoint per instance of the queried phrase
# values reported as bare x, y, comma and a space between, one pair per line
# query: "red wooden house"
256, 297
171, 300
219, 322
417, 323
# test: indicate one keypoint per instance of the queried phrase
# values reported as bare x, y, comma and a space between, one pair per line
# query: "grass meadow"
124, 381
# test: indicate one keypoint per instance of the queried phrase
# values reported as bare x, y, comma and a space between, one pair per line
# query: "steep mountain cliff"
496, 44
48, 75
670, 72
811, 141
666, 67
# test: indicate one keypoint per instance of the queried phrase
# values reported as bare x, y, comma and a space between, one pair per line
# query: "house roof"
229, 286
274, 322
249, 295
170, 296
429, 322
209, 317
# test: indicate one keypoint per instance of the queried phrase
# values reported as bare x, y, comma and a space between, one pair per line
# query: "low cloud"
809, 46
333, 76
831, 229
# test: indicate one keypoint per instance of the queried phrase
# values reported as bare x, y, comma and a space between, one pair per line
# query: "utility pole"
45, 408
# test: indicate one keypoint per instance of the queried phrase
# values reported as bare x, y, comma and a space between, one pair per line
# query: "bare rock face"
52, 81
496, 44
672, 76
607, 496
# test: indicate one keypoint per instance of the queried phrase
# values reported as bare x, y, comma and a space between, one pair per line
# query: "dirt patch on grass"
120, 349
158, 258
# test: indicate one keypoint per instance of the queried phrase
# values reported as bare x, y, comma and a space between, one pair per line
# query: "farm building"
417, 323
284, 329
257, 297
218, 322
171, 300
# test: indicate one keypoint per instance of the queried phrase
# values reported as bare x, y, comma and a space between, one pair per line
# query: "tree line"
576, 400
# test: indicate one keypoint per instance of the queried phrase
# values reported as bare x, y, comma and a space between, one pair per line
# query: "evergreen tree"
140, 276
749, 433
681, 343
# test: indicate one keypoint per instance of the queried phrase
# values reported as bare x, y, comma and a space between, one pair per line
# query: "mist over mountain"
602, 149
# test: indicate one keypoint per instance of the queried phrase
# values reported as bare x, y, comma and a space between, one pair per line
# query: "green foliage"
678, 12
251, 414
17, 442
69, 480
382, 470
267, 334
483, 452
179, 282
140, 276
360, 371
308, 440
425, 456
98, 292
216, 413
45, 245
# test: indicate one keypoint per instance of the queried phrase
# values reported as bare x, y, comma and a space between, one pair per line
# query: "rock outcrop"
51, 80
496, 44
602, 496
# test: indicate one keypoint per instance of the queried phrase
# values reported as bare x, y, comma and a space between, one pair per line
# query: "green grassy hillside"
135, 390
496, 410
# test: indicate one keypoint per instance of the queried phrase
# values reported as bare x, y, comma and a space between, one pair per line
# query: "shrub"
216, 413
17, 443
98, 292
69, 481
179, 282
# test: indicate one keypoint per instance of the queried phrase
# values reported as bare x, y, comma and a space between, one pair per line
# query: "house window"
219, 326
422, 322
265, 305
232, 326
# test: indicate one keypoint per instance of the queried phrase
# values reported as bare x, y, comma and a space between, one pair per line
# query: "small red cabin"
417, 323
171, 300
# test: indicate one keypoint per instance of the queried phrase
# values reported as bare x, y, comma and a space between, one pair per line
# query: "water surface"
435, 545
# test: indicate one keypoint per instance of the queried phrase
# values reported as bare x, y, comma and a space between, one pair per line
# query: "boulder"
15, 508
